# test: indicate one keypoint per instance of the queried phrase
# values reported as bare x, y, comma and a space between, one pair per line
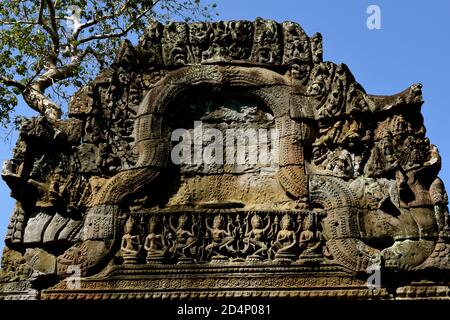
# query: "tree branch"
18, 22
41, 11
53, 75
34, 93
54, 28
119, 34
53, 35
97, 20
12, 82
112, 16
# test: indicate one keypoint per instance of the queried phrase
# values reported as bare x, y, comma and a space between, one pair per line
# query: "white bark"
34, 94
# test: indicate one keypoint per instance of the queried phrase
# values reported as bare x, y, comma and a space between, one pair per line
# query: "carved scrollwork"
352, 182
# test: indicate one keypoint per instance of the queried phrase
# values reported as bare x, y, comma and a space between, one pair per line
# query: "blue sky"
413, 45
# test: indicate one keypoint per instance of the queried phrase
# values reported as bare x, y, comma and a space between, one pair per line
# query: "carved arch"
154, 150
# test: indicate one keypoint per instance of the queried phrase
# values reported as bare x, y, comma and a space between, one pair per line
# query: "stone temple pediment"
227, 159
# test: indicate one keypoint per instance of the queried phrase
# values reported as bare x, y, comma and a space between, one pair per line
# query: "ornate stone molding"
353, 188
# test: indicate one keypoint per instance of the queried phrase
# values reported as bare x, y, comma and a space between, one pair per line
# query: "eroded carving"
354, 185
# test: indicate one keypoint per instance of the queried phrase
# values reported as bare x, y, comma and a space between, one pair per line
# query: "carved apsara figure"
311, 241
155, 244
284, 245
185, 240
220, 238
256, 238
131, 244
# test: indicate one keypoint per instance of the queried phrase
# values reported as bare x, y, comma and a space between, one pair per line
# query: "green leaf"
25, 48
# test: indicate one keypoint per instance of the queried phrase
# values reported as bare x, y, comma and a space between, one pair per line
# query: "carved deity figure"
351, 131
240, 34
382, 158
185, 240
219, 47
311, 241
328, 135
340, 163
267, 39
256, 237
220, 238
199, 38
388, 151
131, 243
155, 244
284, 245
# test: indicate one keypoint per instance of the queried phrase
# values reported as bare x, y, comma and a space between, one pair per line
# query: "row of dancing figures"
183, 241
160, 245
255, 247
286, 246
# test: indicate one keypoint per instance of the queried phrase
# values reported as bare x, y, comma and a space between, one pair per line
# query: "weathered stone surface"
40, 261
290, 173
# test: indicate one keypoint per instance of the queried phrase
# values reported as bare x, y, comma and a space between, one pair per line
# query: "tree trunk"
34, 94
36, 99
